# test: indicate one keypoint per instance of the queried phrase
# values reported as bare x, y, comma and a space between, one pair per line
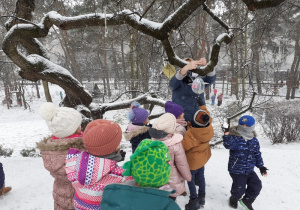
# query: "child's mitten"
263, 170
225, 127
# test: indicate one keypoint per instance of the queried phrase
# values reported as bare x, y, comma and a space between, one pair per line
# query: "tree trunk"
47, 91
37, 90
293, 73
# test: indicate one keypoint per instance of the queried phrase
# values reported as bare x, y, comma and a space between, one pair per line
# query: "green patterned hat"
149, 165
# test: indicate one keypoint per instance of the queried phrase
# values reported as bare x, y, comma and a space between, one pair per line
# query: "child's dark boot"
247, 203
192, 205
233, 202
201, 200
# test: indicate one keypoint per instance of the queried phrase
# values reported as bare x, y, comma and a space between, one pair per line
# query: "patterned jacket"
183, 94
54, 152
244, 155
89, 176
135, 134
180, 170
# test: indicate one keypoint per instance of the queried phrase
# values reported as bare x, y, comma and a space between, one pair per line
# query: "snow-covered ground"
32, 184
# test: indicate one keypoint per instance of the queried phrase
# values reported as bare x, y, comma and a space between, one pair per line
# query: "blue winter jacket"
244, 155
2, 178
124, 197
183, 94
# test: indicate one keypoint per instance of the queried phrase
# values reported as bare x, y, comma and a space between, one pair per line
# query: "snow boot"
247, 203
192, 205
201, 200
233, 202
4, 190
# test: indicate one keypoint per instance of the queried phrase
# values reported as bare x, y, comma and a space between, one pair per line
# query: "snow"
32, 184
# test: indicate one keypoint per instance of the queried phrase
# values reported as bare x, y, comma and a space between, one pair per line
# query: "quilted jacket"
54, 152
243, 155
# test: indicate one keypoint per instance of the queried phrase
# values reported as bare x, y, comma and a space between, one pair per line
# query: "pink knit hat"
102, 137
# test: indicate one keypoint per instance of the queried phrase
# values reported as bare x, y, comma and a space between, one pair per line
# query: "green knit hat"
149, 165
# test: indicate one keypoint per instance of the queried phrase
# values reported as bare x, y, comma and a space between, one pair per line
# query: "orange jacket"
196, 144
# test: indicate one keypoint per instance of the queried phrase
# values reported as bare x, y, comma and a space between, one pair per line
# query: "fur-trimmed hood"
139, 130
233, 132
49, 144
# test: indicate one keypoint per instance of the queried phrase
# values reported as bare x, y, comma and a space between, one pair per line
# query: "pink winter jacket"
180, 170
54, 152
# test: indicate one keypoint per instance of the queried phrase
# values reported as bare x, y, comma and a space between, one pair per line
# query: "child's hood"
171, 139
64, 144
134, 130
89, 169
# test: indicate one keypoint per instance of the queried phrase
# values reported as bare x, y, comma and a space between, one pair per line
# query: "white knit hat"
61, 121
166, 123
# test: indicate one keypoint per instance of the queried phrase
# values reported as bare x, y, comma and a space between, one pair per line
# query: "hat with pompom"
61, 121
136, 114
102, 137
247, 120
201, 118
175, 109
149, 165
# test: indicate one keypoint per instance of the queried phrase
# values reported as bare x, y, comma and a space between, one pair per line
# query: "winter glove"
123, 153
225, 127
263, 171
199, 101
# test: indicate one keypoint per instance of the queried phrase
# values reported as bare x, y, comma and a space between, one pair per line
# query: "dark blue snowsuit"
244, 156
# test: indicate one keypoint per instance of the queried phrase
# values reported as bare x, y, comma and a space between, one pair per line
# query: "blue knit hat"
247, 120
137, 115
173, 108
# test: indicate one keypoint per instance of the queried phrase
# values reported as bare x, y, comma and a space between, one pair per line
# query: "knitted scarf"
181, 122
246, 132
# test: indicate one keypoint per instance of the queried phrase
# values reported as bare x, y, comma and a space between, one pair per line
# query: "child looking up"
197, 149
65, 126
151, 172
163, 130
177, 111
244, 154
138, 128
90, 171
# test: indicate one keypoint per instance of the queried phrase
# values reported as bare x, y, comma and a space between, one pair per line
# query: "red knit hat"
102, 137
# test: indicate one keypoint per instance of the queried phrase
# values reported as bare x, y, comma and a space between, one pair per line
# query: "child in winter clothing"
148, 191
244, 155
65, 125
177, 111
163, 130
213, 98
138, 127
90, 171
197, 150
220, 99
180, 85
3, 189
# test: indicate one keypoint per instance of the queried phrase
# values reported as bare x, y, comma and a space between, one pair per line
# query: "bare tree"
36, 65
